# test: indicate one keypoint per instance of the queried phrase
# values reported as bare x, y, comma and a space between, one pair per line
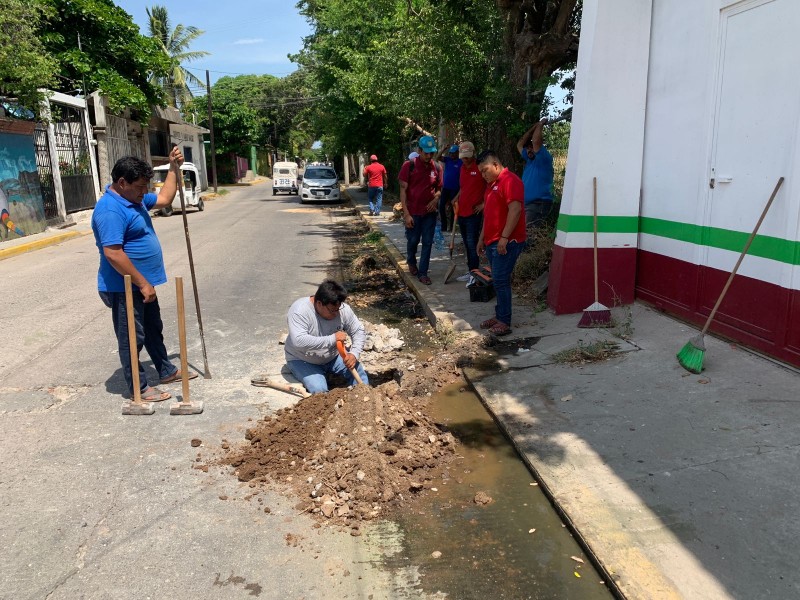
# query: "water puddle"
490, 551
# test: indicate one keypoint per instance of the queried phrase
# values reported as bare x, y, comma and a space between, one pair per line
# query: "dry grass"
587, 353
535, 259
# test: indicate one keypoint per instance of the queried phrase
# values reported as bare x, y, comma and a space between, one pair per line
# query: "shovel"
343, 354
451, 269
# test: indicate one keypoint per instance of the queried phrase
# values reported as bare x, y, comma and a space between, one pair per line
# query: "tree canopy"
380, 64
113, 57
260, 110
25, 65
175, 45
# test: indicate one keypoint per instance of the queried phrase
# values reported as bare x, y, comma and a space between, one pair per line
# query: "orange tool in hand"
343, 354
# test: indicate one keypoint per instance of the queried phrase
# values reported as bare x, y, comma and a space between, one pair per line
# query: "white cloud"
248, 41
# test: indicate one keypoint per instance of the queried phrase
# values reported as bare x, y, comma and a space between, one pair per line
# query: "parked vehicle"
284, 178
320, 183
191, 187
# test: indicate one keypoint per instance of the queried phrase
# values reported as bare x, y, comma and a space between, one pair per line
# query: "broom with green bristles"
691, 355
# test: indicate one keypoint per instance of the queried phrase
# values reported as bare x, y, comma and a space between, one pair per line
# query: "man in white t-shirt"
316, 323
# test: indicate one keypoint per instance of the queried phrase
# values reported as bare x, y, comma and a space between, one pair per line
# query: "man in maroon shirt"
376, 173
503, 235
420, 188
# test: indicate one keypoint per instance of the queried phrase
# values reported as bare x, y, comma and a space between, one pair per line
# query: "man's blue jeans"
502, 267
314, 377
423, 229
149, 327
537, 212
470, 228
446, 209
375, 195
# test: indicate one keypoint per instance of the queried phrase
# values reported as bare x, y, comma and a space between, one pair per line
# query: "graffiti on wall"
21, 206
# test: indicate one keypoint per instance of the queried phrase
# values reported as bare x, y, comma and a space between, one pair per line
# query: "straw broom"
596, 315
691, 355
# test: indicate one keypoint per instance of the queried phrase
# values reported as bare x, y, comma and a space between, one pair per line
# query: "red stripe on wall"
761, 315
571, 283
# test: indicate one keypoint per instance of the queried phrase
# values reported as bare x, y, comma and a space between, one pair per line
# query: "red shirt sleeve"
515, 190
403, 176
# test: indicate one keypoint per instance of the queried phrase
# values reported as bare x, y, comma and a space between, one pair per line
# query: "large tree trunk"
542, 34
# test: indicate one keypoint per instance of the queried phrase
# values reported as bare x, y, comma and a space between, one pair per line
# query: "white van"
191, 187
284, 178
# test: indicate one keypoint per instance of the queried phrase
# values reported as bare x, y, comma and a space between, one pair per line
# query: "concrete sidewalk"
681, 485
81, 225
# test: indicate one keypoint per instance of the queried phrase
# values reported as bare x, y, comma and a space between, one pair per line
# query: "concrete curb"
40, 243
434, 315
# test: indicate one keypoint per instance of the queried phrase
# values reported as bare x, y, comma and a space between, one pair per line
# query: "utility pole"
211, 129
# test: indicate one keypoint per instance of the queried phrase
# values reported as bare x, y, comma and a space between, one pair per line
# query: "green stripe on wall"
764, 246
581, 223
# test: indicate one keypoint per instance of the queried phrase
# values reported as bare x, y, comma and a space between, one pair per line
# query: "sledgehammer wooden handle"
343, 354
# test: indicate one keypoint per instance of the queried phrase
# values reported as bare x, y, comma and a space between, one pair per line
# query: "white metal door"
757, 106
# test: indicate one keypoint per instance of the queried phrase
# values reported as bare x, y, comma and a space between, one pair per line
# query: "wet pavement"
680, 485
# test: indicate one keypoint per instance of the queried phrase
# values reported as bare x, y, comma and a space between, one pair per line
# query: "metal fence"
74, 157
45, 168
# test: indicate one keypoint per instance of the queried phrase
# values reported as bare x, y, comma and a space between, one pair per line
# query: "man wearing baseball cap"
420, 189
376, 173
469, 204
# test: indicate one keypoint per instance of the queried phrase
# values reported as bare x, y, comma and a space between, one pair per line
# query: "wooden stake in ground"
135, 406
185, 406
595, 315
691, 355
206, 371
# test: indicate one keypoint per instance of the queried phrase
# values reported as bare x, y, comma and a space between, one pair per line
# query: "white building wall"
682, 104
607, 132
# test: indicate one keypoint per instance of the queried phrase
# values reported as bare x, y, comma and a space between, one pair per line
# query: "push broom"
596, 315
691, 355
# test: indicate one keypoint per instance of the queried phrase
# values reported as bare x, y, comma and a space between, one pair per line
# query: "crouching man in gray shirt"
316, 323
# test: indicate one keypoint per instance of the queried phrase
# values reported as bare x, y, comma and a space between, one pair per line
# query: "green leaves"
25, 65
113, 57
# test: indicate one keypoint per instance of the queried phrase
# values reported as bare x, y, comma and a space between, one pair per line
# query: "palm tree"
175, 44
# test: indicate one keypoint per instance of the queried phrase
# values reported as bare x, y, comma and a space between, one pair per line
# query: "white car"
320, 183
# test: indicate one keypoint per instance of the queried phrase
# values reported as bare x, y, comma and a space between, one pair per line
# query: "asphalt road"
94, 504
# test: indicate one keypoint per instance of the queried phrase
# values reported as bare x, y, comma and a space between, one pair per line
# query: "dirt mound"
354, 454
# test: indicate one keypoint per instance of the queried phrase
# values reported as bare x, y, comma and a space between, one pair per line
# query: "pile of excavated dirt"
354, 454
358, 454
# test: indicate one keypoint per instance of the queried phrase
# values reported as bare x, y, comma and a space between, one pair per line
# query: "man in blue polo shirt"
450, 185
128, 245
537, 175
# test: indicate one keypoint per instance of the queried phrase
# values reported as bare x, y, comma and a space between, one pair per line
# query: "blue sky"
243, 36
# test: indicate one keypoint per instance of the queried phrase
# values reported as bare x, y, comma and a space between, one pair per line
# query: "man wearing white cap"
376, 173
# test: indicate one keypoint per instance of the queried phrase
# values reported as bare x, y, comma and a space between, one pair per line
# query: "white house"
686, 112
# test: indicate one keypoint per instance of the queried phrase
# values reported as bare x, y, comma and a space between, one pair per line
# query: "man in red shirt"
503, 235
378, 179
420, 188
469, 204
